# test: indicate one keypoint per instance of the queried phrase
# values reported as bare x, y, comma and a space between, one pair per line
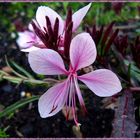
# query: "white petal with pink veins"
82, 51
102, 82
47, 62
26, 39
53, 100
44, 11
78, 16
30, 49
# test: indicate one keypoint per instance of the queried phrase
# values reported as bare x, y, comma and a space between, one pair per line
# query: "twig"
135, 88
128, 27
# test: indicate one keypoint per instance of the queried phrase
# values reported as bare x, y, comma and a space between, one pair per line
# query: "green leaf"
3, 134
133, 66
134, 70
16, 73
21, 69
65, 4
135, 75
12, 108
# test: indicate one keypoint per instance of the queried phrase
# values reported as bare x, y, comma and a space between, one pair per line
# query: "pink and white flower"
28, 40
44, 11
83, 53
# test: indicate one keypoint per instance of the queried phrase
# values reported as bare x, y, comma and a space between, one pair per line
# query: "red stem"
124, 114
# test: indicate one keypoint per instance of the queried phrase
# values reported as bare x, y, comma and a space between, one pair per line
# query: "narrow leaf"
12, 108
16, 73
22, 70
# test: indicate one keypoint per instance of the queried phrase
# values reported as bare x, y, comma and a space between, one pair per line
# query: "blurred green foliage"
99, 14
3, 134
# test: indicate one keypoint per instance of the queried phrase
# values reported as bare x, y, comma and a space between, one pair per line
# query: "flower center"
72, 72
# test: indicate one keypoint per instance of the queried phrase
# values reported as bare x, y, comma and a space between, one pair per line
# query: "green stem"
48, 82
20, 80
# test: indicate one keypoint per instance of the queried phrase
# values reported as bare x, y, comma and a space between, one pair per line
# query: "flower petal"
26, 39
30, 49
30, 27
102, 82
47, 62
78, 16
82, 51
53, 100
44, 11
